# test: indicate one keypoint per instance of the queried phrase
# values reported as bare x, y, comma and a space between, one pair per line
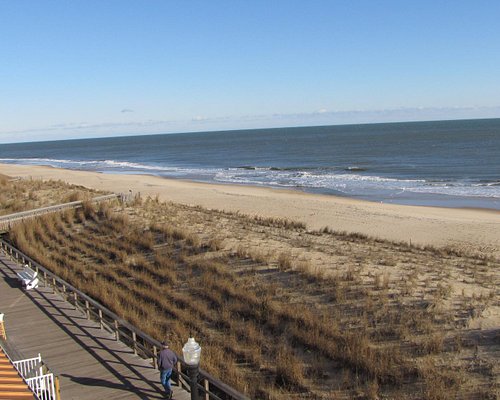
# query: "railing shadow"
81, 380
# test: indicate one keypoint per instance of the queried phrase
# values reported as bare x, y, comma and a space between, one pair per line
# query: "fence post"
100, 319
180, 381
117, 332
87, 309
206, 385
134, 338
53, 285
57, 388
44, 279
155, 357
75, 298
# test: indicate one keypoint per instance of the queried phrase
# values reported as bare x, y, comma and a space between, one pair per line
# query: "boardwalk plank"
91, 364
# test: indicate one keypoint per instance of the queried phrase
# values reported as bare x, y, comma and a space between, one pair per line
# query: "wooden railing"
38, 377
142, 344
6, 221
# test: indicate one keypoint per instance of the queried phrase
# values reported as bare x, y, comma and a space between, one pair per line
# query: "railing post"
87, 309
53, 285
100, 319
44, 279
57, 388
206, 385
155, 357
117, 332
179, 378
41, 364
75, 298
134, 338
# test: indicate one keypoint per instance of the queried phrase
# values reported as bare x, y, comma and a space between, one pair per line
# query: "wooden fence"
141, 343
6, 221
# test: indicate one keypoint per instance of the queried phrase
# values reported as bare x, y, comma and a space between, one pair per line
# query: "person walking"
166, 362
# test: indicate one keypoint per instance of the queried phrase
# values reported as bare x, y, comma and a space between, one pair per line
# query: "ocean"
443, 163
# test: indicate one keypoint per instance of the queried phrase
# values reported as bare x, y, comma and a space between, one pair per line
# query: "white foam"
348, 183
354, 183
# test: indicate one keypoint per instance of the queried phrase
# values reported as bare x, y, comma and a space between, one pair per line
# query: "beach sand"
472, 229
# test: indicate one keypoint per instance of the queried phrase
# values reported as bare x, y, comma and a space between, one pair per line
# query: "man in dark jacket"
166, 362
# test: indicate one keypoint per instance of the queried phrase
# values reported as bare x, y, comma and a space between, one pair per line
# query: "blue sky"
100, 68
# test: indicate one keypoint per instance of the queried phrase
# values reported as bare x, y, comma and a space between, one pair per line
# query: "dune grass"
383, 321
26, 194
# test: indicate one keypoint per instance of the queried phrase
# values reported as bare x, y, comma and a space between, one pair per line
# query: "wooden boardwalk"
90, 363
7, 221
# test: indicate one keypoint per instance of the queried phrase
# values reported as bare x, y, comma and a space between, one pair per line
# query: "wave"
352, 180
486, 183
36, 161
355, 169
356, 183
86, 164
301, 168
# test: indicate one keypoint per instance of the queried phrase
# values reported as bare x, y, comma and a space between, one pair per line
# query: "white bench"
28, 277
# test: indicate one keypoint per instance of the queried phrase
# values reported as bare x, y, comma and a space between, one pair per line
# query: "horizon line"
186, 132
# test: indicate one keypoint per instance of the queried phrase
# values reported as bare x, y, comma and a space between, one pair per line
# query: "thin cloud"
127, 110
252, 121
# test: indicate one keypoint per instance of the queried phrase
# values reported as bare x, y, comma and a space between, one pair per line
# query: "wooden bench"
28, 277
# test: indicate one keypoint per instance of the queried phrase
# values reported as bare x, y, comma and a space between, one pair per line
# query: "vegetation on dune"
283, 312
26, 194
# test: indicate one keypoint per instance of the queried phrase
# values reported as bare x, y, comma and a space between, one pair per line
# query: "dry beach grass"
283, 311
21, 195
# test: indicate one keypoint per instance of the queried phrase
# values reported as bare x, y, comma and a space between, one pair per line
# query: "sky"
75, 69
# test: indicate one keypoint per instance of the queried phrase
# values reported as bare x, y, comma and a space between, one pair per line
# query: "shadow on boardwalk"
91, 364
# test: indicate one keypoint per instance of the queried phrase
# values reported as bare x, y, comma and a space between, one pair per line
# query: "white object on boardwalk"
28, 277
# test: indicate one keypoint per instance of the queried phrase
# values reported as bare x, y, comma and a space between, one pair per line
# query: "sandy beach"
473, 229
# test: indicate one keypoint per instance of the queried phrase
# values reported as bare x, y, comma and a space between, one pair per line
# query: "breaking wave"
349, 180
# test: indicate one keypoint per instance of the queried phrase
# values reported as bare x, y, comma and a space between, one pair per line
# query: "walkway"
90, 363
6, 221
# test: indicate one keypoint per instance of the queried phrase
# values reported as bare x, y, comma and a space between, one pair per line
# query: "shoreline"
434, 200
475, 229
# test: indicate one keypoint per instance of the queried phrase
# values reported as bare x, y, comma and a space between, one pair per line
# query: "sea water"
443, 163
